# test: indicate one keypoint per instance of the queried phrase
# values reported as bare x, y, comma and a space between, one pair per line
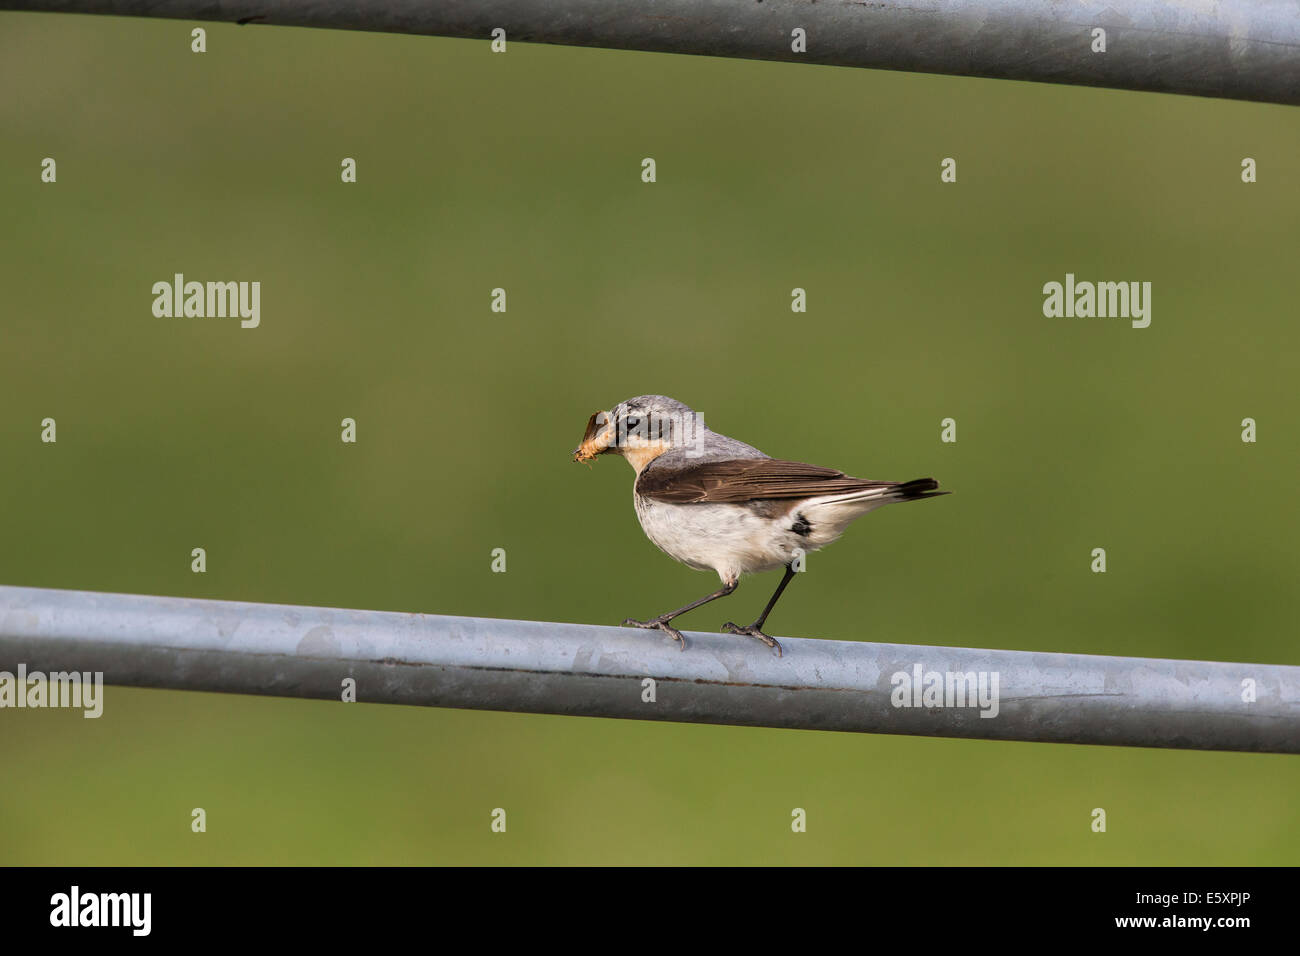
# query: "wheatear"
717, 504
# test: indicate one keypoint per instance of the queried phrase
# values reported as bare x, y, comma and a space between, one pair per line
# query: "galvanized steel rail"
1240, 49
581, 670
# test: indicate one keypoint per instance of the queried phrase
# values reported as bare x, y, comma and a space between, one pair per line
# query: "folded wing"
753, 479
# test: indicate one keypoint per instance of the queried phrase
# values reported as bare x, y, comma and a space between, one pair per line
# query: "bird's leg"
663, 621
756, 629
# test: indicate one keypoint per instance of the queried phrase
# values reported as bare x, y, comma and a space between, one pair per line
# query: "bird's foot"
659, 624
751, 630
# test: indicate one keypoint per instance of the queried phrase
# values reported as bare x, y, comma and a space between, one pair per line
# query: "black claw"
751, 630
656, 624
675, 634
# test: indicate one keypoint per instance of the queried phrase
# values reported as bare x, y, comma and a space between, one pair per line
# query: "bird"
717, 504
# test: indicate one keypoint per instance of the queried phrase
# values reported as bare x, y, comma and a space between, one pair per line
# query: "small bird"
717, 504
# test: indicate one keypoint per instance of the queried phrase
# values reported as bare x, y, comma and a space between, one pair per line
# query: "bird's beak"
596, 439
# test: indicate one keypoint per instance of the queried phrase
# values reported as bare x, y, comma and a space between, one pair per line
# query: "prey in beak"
633, 434
598, 437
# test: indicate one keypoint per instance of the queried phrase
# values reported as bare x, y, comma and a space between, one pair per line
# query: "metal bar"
1240, 49
580, 670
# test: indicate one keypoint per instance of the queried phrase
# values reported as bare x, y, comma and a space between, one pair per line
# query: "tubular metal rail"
581, 670
1240, 49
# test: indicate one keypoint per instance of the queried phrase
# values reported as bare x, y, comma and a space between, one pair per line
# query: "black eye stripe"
646, 425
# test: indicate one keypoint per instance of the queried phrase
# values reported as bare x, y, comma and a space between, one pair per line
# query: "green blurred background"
523, 171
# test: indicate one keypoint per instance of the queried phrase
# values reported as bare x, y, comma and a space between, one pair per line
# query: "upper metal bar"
1240, 49
528, 666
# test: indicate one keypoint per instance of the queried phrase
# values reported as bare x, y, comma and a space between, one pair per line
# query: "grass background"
523, 171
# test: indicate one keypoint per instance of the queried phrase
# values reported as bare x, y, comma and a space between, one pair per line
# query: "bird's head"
640, 429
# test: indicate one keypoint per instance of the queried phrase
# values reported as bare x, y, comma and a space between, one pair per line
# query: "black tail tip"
918, 488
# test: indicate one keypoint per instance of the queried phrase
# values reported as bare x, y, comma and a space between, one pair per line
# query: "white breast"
729, 539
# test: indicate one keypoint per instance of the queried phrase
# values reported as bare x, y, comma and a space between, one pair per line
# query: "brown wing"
747, 479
